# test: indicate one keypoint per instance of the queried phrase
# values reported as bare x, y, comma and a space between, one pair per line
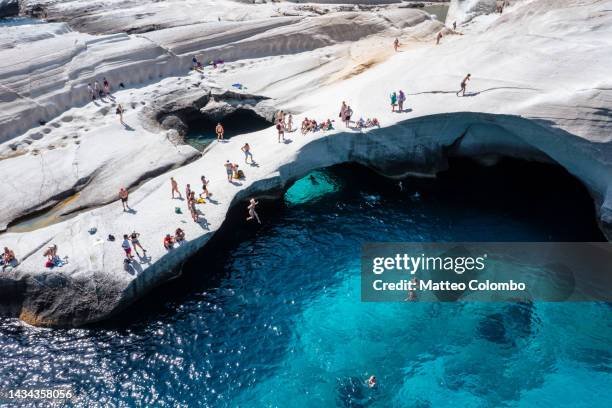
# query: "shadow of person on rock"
128, 127
253, 164
407, 110
287, 141
210, 200
131, 211
237, 184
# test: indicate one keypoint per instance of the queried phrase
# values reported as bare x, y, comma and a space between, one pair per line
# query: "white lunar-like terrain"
540, 90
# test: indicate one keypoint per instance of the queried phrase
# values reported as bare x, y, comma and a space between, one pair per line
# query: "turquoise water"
271, 316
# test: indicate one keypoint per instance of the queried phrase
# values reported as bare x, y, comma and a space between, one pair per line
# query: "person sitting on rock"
375, 122
361, 123
8, 257
51, 253
179, 235
305, 124
168, 242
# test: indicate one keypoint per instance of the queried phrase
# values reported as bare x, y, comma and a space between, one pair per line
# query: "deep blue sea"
270, 316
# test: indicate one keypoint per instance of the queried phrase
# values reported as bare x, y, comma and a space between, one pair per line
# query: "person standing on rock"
393, 101
454, 26
175, 189
127, 248
106, 86
136, 243
229, 170
401, 97
219, 131
342, 111
438, 38
464, 84
205, 192
396, 44
280, 128
246, 149
252, 213
90, 90
119, 112
347, 116
290, 123
187, 191
192, 206
123, 195
97, 89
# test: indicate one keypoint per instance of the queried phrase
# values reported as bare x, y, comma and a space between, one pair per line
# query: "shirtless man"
123, 195
464, 84
438, 38
246, 149
219, 131
175, 189
396, 44
187, 191
229, 170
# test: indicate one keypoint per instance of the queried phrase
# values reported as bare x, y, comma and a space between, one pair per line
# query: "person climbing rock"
175, 189
219, 131
123, 195
252, 213
464, 84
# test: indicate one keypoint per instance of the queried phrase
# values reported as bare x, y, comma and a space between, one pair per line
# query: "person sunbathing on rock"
179, 235
168, 242
375, 122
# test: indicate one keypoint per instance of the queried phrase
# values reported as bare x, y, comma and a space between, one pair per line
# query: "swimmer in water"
372, 382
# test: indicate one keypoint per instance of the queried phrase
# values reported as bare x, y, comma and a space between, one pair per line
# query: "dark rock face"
9, 8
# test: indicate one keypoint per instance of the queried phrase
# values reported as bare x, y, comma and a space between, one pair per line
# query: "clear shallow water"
270, 316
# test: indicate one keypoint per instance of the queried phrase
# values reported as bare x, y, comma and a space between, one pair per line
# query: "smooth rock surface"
540, 90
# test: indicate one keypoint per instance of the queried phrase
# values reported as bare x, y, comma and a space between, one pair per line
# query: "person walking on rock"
119, 112
127, 248
123, 195
246, 149
393, 101
136, 243
219, 131
438, 38
252, 213
396, 44
187, 191
229, 170
175, 189
464, 84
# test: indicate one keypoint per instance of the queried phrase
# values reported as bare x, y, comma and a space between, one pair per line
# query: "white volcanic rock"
540, 90
45, 68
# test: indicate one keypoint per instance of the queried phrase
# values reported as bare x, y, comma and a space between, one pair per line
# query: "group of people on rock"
311, 125
178, 238
398, 99
132, 238
99, 91
232, 171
